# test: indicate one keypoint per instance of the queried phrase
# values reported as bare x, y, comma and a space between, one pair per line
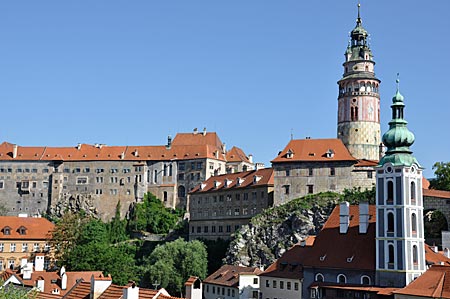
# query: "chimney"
39, 262
78, 146
14, 153
363, 217
131, 291
99, 285
23, 264
435, 248
447, 252
27, 271
204, 131
303, 243
63, 275
195, 131
193, 288
250, 158
344, 218
40, 283
169, 142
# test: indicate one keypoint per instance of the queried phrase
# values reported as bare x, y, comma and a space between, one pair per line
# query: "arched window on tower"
365, 280
170, 169
341, 278
390, 224
390, 192
415, 255
352, 113
155, 176
181, 191
413, 193
414, 224
165, 195
391, 256
356, 113
165, 170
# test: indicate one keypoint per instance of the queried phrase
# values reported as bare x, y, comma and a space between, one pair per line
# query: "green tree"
356, 195
12, 291
66, 235
172, 263
117, 227
442, 180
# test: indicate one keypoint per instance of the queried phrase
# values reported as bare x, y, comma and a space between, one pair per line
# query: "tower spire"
358, 20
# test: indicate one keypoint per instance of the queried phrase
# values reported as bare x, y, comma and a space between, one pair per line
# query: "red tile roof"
425, 183
35, 228
354, 287
369, 163
190, 280
41, 295
434, 283
265, 178
435, 258
81, 290
236, 154
228, 275
314, 150
116, 292
184, 146
436, 193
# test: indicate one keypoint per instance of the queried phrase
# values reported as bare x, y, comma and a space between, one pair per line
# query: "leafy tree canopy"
12, 291
442, 180
171, 264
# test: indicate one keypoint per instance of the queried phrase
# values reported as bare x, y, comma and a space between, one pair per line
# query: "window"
22, 230
24, 247
99, 170
296, 286
181, 176
332, 171
281, 284
181, 166
365, 279
414, 254
99, 179
341, 278
310, 172
66, 170
1, 265
220, 229
267, 284
236, 212
165, 195
98, 191
36, 247
2, 247
414, 223
286, 189
113, 179
170, 170
255, 295
310, 189
11, 264
390, 192
7, 230
255, 280
12, 247
391, 254
288, 285
199, 229
87, 170
413, 192
228, 228
390, 226
47, 247
2, 184
181, 191
254, 195
213, 229
274, 284
82, 180
319, 277
288, 172
113, 191
199, 165
369, 174
245, 196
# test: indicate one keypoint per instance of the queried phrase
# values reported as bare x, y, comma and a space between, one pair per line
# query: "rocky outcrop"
75, 203
274, 231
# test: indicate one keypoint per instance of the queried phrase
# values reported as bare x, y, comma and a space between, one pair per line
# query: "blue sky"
133, 72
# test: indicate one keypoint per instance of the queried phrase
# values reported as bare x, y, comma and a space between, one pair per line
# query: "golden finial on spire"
358, 20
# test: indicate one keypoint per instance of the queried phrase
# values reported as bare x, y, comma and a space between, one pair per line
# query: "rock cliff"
270, 234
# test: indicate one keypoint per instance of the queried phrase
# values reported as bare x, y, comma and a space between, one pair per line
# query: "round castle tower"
359, 100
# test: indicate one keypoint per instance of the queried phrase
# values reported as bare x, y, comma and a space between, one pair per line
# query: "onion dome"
398, 138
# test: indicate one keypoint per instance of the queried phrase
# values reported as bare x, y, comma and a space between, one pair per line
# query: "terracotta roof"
354, 287
210, 138
425, 183
35, 228
436, 193
435, 258
228, 275
264, 177
369, 163
434, 283
314, 150
116, 292
81, 290
184, 147
52, 280
41, 295
236, 154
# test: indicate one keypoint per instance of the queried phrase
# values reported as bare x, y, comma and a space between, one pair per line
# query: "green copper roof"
398, 138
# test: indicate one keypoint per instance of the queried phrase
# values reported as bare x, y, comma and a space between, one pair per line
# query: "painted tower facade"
359, 100
400, 241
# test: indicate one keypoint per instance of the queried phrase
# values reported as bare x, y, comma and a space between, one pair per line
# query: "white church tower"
400, 248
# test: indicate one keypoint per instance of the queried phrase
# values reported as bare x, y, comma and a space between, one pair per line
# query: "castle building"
94, 178
359, 100
308, 165
220, 205
399, 200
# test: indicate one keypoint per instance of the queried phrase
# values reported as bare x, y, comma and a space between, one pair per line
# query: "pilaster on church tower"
400, 243
359, 100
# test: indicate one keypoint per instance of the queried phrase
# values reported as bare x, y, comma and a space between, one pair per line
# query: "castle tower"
400, 251
359, 100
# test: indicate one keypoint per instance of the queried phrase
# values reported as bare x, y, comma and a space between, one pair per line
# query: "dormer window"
202, 186
228, 183
256, 179
289, 154
329, 153
239, 181
22, 230
216, 184
7, 230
